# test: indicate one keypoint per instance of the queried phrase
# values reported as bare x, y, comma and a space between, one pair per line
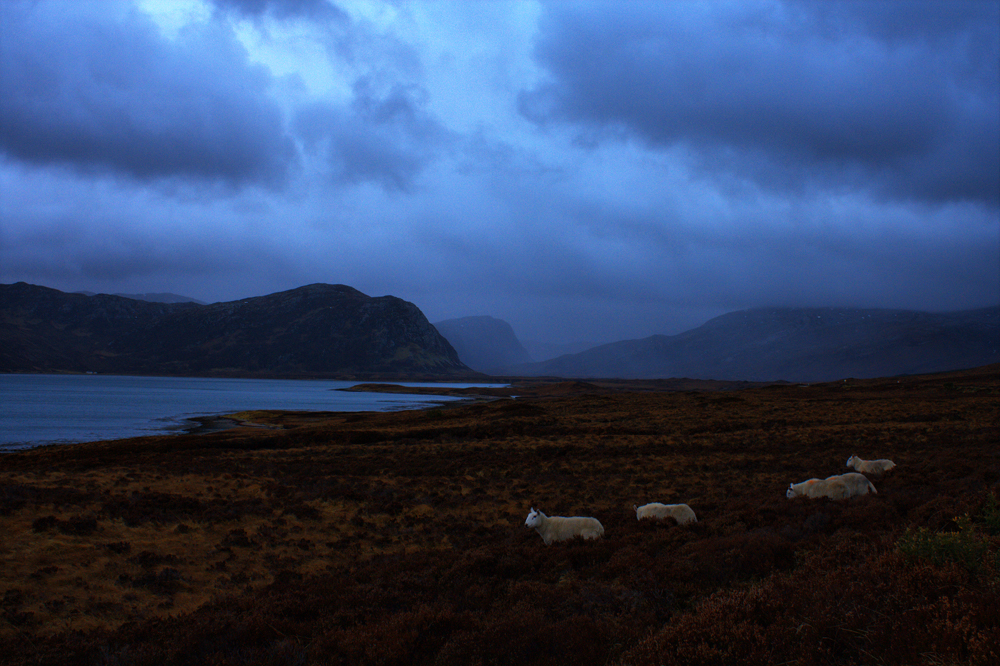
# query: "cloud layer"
888, 98
585, 171
108, 94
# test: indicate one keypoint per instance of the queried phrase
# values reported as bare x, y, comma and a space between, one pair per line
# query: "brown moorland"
398, 538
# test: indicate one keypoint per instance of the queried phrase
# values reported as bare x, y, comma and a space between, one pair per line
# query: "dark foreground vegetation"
399, 539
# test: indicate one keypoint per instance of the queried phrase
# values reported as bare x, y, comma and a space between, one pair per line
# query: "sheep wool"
880, 466
841, 486
682, 513
559, 528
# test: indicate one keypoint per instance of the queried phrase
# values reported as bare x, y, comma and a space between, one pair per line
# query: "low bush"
963, 546
991, 514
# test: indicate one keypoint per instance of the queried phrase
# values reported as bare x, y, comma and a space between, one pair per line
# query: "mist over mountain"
544, 351
796, 344
165, 297
315, 330
484, 343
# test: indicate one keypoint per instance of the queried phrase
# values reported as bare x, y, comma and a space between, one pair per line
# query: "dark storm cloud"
382, 136
915, 19
108, 93
898, 99
108, 249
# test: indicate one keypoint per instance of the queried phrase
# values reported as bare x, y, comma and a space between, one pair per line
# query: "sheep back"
834, 488
857, 484
560, 528
842, 486
880, 466
682, 513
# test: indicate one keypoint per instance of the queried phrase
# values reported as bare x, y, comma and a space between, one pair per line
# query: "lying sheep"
558, 528
870, 466
682, 513
834, 487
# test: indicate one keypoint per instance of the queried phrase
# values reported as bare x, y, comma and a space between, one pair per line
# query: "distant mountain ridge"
336, 331
484, 343
795, 344
315, 330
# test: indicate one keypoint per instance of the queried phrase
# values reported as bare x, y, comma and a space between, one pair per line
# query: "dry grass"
398, 538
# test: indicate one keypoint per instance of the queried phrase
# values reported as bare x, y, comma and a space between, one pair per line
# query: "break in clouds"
585, 171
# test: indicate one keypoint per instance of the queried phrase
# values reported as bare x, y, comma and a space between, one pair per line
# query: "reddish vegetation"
399, 539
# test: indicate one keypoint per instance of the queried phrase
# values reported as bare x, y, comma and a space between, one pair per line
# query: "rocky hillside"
316, 330
485, 344
796, 344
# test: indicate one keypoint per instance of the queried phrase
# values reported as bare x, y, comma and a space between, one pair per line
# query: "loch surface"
62, 409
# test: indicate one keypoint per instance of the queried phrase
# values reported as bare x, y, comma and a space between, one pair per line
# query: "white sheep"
682, 513
840, 486
558, 528
870, 466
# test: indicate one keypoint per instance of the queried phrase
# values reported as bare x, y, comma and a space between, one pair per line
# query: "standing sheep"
682, 513
834, 487
558, 528
880, 466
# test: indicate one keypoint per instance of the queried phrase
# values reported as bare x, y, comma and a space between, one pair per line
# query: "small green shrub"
964, 547
991, 515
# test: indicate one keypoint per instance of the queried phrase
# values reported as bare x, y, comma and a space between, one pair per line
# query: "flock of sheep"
839, 486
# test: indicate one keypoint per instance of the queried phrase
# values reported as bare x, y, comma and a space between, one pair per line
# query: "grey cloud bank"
891, 98
108, 94
584, 171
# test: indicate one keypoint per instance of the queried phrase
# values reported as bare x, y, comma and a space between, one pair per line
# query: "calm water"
62, 409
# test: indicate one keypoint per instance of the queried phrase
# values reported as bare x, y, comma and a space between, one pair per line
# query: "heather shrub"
991, 514
524, 634
139, 508
740, 556
963, 546
854, 602
725, 628
410, 637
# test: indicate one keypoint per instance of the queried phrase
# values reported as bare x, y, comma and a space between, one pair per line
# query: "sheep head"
532, 520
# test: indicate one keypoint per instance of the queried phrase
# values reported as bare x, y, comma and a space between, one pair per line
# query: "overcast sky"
584, 171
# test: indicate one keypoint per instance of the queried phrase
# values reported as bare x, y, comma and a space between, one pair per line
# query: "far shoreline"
495, 388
